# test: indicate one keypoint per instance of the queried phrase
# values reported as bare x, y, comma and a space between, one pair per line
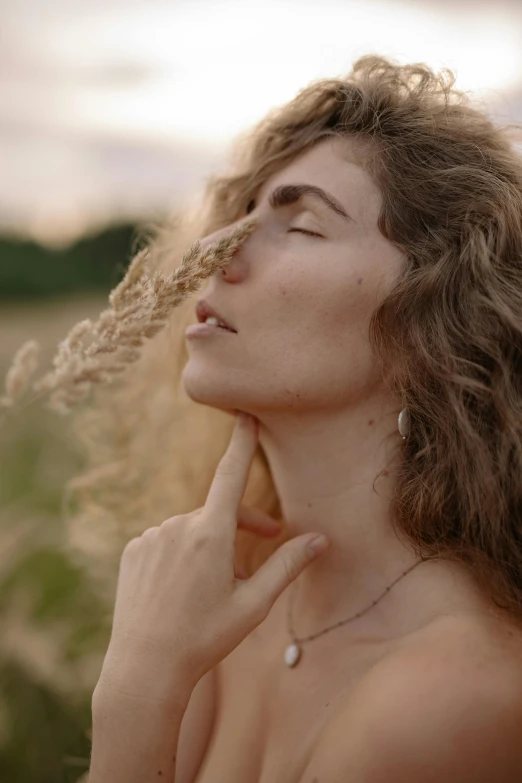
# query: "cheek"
321, 327
343, 308
312, 307
336, 329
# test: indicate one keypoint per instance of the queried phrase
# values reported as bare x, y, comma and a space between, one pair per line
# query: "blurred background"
112, 113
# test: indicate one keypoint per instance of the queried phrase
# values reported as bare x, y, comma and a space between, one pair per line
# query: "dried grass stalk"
22, 368
140, 306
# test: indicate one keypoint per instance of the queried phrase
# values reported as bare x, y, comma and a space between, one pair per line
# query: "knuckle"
191, 527
170, 525
180, 521
200, 536
132, 545
263, 608
172, 521
253, 605
291, 566
150, 533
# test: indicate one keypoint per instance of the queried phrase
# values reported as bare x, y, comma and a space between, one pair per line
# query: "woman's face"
301, 304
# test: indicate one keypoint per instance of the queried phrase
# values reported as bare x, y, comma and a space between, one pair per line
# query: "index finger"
230, 480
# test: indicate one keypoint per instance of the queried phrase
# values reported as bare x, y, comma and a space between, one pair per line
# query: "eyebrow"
285, 195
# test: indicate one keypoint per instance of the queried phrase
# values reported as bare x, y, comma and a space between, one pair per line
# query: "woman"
375, 333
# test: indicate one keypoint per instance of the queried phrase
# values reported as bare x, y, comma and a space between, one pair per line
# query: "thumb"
285, 565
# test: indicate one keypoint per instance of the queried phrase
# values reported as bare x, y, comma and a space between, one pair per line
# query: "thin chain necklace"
294, 651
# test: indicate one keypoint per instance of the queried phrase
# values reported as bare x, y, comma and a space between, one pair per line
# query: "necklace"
293, 651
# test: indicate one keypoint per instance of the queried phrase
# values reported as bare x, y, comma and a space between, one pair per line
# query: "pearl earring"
404, 422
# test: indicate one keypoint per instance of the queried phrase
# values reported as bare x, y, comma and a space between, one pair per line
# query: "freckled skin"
302, 363
295, 300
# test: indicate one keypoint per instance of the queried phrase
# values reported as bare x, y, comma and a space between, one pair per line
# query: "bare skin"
302, 364
273, 724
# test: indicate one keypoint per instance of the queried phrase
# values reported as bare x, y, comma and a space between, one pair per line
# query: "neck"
334, 475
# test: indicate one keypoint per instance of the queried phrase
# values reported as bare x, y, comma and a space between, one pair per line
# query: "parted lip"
204, 310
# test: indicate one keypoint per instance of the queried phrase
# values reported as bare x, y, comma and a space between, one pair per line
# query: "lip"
202, 330
204, 310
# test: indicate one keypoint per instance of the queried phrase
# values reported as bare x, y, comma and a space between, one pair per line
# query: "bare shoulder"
445, 706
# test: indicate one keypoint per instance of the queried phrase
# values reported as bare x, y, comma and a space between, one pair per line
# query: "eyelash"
304, 231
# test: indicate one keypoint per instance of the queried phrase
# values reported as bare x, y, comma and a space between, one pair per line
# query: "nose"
233, 271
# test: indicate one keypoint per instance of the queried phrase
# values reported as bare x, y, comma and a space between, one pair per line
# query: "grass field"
55, 628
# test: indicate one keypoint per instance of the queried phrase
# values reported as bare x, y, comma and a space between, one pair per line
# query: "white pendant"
292, 654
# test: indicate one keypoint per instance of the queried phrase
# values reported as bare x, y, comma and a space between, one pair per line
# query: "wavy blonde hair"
448, 336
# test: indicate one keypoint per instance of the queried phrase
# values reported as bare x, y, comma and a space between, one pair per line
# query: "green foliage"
31, 271
55, 626
47, 740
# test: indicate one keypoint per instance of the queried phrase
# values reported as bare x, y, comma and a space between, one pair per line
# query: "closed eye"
304, 231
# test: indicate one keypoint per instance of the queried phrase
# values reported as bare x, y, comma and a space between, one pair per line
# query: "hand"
178, 601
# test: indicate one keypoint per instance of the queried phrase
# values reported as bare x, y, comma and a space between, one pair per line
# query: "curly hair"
448, 337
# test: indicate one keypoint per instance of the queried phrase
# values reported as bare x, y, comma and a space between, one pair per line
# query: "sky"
114, 109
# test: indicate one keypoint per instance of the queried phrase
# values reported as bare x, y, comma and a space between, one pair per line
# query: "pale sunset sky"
113, 109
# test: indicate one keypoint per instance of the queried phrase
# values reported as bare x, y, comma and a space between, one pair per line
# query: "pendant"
292, 654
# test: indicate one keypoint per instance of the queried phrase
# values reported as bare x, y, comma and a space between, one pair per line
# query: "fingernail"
317, 545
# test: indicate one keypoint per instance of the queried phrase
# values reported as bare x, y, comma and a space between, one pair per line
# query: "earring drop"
404, 422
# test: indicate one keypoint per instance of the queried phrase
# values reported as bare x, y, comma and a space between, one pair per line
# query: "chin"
201, 390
